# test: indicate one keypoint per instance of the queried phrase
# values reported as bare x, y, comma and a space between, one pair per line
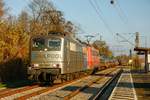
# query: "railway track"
6, 93
46, 90
93, 91
78, 89
26, 92
87, 87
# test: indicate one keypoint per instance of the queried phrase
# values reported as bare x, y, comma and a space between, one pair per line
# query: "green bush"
13, 70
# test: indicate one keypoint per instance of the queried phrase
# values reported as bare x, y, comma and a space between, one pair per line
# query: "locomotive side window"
54, 44
72, 46
38, 43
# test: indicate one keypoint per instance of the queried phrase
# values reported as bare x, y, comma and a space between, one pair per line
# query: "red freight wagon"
93, 60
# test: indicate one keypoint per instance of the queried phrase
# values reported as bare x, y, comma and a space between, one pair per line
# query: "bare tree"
39, 11
46, 18
38, 7
103, 48
3, 11
1, 8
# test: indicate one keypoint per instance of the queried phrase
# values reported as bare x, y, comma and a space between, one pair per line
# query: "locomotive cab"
45, 57
55, 56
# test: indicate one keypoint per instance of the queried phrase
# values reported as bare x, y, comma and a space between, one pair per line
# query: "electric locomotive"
54, 56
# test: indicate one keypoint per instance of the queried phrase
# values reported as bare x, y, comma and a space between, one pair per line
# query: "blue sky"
124, 16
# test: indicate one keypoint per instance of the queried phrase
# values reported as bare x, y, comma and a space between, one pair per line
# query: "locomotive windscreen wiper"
38, 44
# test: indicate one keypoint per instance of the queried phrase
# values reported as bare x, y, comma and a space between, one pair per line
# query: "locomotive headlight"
29, 68
56, 65
36, 65
45, 49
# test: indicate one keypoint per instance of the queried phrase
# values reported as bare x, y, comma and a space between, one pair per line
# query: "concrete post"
146, 62
137, 39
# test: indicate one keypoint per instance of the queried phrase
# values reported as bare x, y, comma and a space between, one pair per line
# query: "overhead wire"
121, 13
119, 10
97, 10
131, 36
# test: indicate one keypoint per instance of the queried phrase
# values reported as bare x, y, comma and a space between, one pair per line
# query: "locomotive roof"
58, 35
63, 35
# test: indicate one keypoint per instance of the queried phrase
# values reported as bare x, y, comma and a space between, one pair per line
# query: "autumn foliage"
41, 17
103, 48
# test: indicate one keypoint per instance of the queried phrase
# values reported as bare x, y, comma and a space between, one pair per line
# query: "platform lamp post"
130, 59
132, 44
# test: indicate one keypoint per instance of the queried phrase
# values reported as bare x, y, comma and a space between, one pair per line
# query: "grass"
18, 83
2, 85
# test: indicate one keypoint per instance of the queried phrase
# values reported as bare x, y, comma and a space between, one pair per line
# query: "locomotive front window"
38, 43
54, 44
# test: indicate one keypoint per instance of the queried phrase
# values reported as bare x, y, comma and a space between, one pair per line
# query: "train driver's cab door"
68, 53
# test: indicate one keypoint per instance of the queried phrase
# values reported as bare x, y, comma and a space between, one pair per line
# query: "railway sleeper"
70, 76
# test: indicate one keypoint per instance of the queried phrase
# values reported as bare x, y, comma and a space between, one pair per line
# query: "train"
60, 56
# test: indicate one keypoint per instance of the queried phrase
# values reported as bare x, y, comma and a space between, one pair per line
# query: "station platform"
132, 85
141, 82
124, 89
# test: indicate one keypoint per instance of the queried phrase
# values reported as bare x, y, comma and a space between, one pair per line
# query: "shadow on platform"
141, 82
125, 85
142, 85
137, 71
